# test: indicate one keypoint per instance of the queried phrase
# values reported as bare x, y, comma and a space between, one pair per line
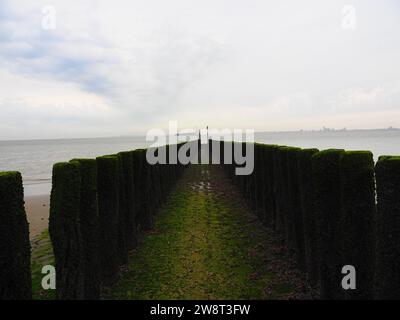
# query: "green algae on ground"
42, 255
202, 247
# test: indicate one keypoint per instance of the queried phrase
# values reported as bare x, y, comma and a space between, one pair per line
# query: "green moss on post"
143, 188
357, 219
326, 179
162, 175
148, 219
65, 232
155, 188
277, 192
295, 213
89, 223
108, 195
250, 182
122, 249
15, 276
270, 204
251, 179
137, 186
387, 274
282, 193
311, 251
228, 158
259, 181
130, 228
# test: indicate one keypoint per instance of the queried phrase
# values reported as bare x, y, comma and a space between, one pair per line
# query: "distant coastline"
325, 129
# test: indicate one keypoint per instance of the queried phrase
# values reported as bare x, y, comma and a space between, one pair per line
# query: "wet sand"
37, 210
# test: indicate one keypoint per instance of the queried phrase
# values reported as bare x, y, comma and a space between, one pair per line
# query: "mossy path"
42, 255
207, 245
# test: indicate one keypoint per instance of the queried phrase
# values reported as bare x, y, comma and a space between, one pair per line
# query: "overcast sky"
123, 67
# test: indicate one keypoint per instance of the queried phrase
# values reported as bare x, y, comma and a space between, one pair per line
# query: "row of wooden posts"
334, 209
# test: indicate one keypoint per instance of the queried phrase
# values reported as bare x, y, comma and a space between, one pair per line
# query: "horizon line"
323, 129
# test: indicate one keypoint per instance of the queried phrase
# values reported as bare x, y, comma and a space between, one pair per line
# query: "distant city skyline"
96, 68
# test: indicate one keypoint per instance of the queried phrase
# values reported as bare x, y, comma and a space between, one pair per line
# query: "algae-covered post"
145, 212
294, 205
259, 181
65, 232
311, 250
326, 181
282, 191
387, 275
126, 159
122, 249
357, 219
89, 226
15, 254
108, 193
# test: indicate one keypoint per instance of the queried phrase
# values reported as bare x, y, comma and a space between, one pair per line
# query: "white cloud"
136, 64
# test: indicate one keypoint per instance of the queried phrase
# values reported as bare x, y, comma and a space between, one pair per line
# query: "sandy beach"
37, 210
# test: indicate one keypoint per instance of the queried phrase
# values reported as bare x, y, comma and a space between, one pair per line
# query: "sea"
35, 158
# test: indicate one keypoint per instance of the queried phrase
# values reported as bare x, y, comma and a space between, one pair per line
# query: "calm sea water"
35, 158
